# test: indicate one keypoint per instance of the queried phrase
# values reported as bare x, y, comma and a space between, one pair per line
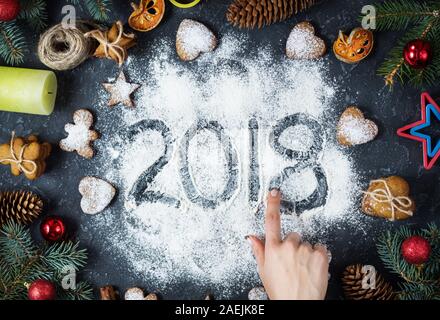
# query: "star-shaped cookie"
121, 91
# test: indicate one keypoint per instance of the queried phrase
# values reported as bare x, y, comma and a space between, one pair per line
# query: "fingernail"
274, 192
248, 239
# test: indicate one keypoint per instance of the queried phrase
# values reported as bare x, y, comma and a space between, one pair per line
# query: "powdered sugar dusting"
194, 38
97, 194
122, 88
79, 136
134, 294
357, 130
165, 245
303, 43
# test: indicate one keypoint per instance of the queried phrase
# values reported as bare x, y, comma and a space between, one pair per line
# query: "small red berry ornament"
9, 9
417, 53
416, 250
53, 228
41, 290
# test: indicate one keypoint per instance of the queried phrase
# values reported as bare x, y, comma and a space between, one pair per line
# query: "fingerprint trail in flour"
254, 167
139, 192
231, 169
304, 157
236, 125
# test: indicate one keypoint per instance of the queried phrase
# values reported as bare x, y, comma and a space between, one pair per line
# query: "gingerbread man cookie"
25, 155
80, 135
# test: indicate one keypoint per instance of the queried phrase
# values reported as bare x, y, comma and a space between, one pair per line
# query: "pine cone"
21, 206
352, 285
251, 13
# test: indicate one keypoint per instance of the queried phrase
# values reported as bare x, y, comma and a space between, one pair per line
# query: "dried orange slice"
147, 15
355, 47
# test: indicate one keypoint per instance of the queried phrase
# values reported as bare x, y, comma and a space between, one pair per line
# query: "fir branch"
12, 43
22, 262
432, 233
424, 20
21, 259
421, 282
394, 66
98, 9
388, 247
399, 14
16, 244
34, 13
83, 291
417, 291
62, 254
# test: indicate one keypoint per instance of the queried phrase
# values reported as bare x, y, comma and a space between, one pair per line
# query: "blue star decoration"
414, 131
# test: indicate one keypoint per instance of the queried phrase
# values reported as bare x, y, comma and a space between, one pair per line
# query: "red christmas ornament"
42, 290
53, 228
417, 53
9, 9
416, 250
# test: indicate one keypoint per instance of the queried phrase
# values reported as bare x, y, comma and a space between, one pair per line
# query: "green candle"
27, 90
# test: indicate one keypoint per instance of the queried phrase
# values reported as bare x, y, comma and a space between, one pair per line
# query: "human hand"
289, 269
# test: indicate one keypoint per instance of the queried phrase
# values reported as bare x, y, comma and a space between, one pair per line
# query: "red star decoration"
405, 132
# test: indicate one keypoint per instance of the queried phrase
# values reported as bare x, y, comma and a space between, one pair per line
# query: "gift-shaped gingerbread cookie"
388, 198
25, 155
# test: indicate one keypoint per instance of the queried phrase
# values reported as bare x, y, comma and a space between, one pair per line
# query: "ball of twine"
63, 48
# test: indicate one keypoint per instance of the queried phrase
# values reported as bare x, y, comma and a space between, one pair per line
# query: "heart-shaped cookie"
388, 198
303, 43
354, 129
194, 38
97, 194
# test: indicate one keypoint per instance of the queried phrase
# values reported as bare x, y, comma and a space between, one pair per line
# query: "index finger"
272, 222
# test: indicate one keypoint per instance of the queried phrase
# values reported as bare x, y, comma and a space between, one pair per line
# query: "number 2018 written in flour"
140, 191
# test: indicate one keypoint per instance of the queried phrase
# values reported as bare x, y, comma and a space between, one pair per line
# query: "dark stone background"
387, 155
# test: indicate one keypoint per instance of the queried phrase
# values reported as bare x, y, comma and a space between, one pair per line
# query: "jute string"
110, 47
384, 195
63, 48
18, 159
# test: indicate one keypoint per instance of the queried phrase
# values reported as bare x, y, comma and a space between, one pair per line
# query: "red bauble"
9, 9
42, 290
417, 53
416, 250
53, 228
